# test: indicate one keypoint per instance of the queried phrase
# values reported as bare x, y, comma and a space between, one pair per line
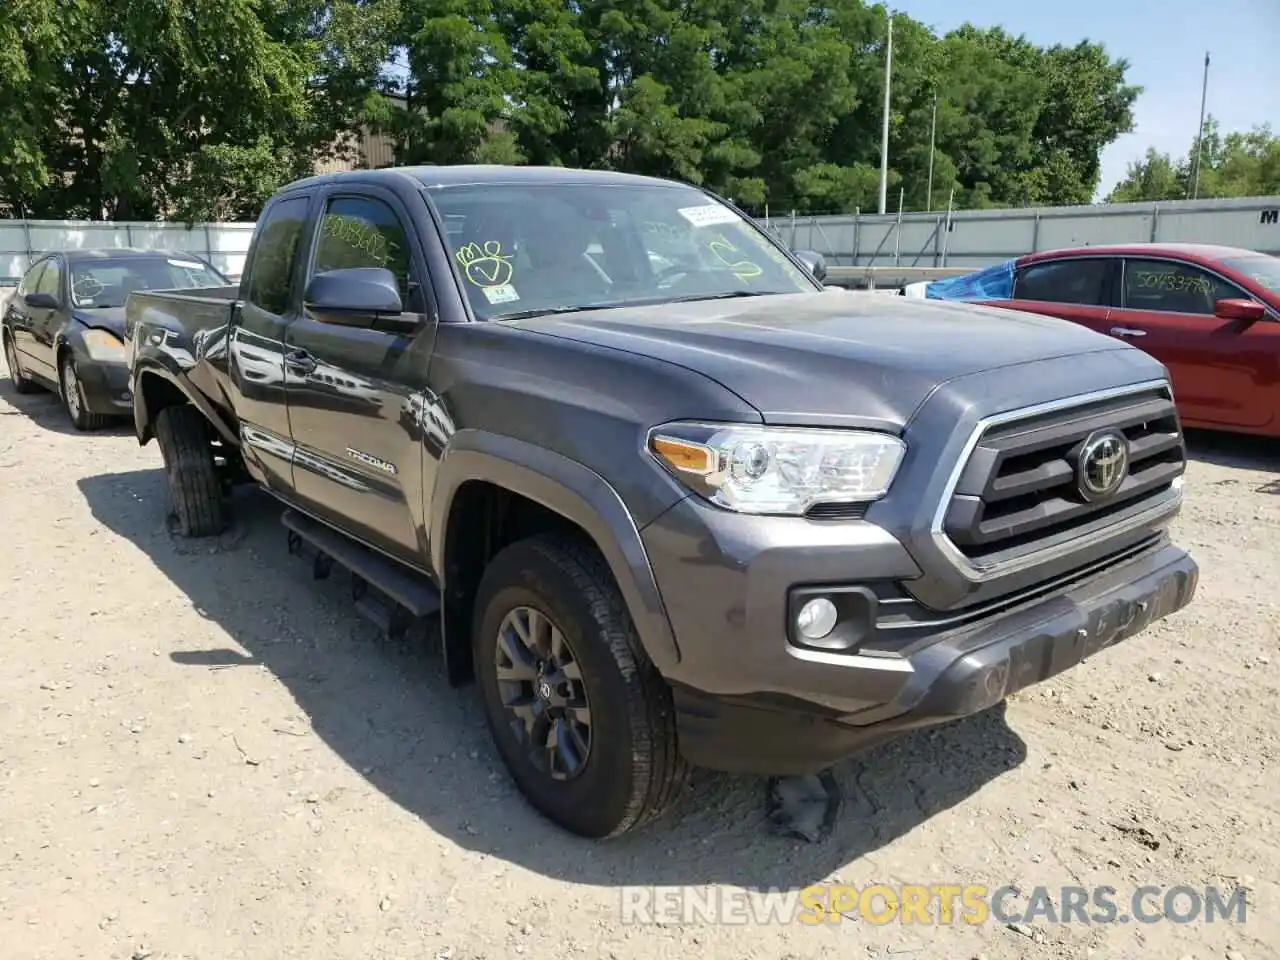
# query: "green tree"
193, 108
29, 46
460, 76
141, 108
1240, 164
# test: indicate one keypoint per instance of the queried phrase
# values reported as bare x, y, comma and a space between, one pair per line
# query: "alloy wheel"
541, 686
71, 389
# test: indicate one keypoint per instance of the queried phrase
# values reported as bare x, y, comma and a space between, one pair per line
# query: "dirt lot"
207, 755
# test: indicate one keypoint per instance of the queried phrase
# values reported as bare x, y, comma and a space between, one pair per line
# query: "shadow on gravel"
44, 408
388, 713
1236, 450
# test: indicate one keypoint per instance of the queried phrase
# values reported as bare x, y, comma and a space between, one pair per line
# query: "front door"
355, 393
44, 322
1226, 373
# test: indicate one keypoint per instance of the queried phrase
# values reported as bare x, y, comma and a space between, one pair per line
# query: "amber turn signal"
684, 456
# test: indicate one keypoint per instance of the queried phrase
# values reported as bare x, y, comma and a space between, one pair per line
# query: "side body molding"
570, 489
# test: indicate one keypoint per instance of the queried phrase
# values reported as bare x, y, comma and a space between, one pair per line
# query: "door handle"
1127, 332
300, 360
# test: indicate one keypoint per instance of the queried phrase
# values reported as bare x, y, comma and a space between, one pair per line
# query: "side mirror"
41, 301
814, 262
353, 297
1238, 308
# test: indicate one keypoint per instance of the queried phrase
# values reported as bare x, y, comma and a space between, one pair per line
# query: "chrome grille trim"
1159, 511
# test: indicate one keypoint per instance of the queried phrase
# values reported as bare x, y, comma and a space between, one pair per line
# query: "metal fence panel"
23, 241
976, 238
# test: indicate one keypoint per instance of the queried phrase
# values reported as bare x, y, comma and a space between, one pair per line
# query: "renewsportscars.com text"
932, 905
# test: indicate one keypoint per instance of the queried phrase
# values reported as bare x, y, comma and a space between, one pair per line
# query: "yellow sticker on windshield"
732, 258
486, 266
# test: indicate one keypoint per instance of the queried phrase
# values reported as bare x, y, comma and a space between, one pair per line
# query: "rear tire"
631, 770
196, 502
20, 383
72, 392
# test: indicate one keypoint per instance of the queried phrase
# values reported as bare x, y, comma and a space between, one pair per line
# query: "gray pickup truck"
671, 501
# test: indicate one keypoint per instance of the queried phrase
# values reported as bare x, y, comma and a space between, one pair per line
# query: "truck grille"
1020, 490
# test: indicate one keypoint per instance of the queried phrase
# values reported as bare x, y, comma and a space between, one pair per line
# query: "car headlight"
103, 345
777, 470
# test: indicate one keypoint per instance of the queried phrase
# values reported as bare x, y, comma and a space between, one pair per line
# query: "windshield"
1262, 269
101, 284
525, 249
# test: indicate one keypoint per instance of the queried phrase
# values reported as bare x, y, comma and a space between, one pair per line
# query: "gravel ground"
207, 754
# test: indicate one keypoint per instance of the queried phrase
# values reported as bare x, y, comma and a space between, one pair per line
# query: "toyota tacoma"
671, 501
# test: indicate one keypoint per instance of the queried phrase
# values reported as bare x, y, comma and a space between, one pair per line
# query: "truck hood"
837, 358
107, 318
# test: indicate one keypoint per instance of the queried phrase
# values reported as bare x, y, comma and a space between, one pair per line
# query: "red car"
1210, 314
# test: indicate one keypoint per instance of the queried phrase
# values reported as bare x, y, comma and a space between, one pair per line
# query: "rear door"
355, 392
18, 314
255, 364
1226, 373
1079, 289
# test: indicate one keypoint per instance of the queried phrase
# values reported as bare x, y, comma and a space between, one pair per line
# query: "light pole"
884, 135
1204, 92
933, 138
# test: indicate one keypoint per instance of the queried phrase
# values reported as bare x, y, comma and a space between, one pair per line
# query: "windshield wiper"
692, 298
646, 302
548, 311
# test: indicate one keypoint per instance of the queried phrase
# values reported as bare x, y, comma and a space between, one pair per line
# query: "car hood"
839, 357
105, 318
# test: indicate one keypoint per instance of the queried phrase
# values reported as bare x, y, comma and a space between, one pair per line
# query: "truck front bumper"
753, 698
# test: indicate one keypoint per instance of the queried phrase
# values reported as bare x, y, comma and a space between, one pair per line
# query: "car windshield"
1262, 269
105, 283
526, 249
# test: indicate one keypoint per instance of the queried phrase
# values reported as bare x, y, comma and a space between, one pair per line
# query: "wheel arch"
156, 387
481, 477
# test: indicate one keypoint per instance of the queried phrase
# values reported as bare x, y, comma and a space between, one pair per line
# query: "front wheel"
582, 719
73, 397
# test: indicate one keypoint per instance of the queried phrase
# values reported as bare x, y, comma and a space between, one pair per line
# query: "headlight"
777, 470
103, 345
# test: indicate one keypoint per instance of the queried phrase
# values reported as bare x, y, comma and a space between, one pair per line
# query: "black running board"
406, 596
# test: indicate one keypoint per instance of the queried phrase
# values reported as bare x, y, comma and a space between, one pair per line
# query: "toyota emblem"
1103, 465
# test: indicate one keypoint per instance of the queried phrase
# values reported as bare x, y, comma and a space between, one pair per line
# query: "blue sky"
1165, 45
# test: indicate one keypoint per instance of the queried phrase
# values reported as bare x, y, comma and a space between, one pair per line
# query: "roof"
1194, 251
119, 253
480, 173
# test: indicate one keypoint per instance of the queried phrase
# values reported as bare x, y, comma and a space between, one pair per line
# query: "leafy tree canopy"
199, 109
1235, 165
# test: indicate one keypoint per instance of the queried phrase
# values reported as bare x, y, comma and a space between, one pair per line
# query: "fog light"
816, 619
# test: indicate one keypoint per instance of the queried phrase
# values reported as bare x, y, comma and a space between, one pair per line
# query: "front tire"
196, 502
72, 391
20, 383
582, 719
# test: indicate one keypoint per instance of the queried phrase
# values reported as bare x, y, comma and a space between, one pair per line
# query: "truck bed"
183, 331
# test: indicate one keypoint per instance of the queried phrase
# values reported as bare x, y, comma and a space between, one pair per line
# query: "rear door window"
275, 255
1080, 281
